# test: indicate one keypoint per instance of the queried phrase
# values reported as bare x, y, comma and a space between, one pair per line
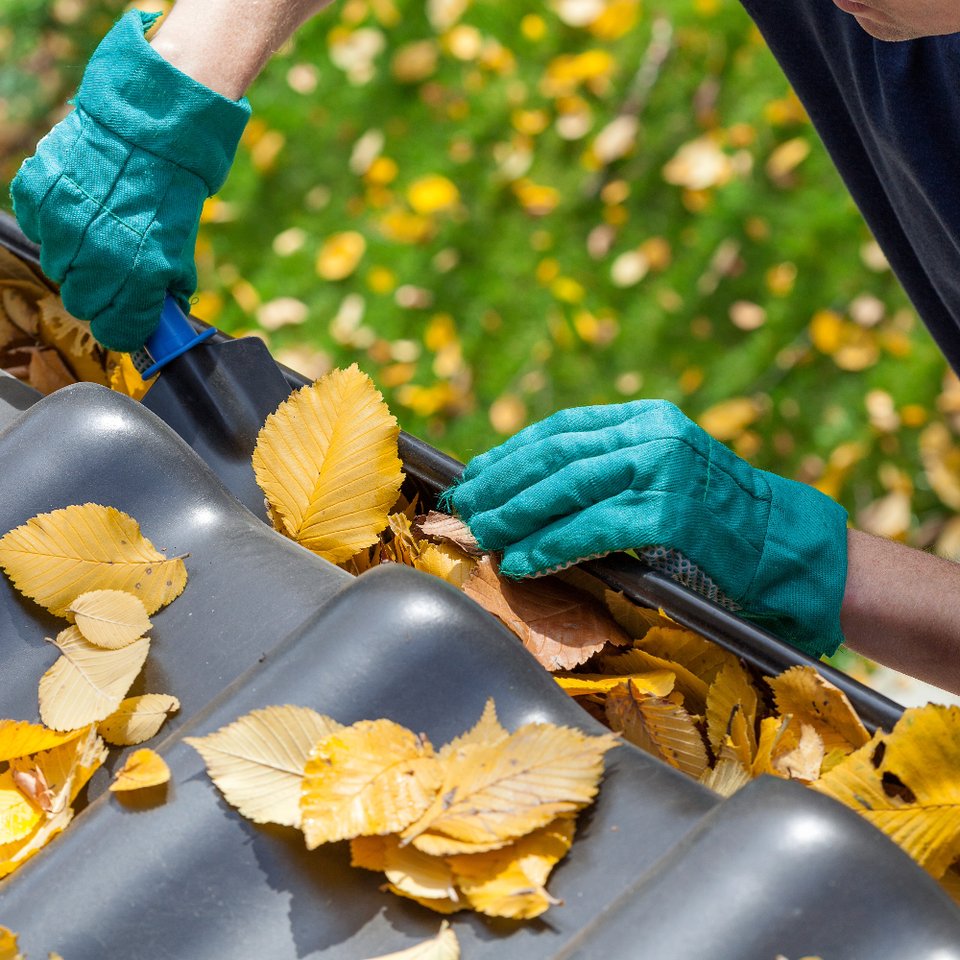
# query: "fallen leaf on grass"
443, 946
143, 768
493, 794
657, 726
258, 761
560, 626
109, 618
55, 557
87, 683
372, 778
138, 719
442, 528
327, 461
802, 692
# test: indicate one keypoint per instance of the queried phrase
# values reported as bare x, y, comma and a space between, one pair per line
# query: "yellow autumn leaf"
486, 731
657, 726
327, 461
432, 193
493, 794
18, 814
137, 719
729, 418
694, 690
409, 870
726, 778
635, 620
372, 778
802, 692
126, 379
701, 657
87, 683
730, 688
510, 882
740, 740
258, 760
143, 768
109, 618
13, 855
922, 752
19, 738
659, 683
340, 254
405, 548
59, 774
8, 945
55, 557
443, 946
804, 761
445, 562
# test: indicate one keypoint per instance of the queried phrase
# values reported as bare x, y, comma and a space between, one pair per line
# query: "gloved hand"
114, 192
592, 480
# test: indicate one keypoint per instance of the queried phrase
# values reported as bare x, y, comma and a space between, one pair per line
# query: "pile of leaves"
44, 346
90, 565
478, 824
664, 688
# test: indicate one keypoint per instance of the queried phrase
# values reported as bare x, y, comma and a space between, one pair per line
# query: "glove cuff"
803, 568
130, 89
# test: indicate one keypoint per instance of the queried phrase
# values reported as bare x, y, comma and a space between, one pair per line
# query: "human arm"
224, 44
901, 607
114, 192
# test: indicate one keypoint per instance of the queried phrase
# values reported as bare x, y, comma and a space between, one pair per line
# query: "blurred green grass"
509, 315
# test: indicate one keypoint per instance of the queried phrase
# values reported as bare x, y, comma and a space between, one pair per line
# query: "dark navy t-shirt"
889, 114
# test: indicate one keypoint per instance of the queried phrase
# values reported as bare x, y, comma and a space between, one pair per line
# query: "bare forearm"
224, 44
902, 608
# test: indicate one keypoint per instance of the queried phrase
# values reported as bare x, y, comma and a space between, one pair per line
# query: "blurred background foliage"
502, 209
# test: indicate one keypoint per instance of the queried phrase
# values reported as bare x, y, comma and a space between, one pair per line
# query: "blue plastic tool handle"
175, 335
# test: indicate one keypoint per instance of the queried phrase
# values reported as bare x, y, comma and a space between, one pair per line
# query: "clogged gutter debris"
657, 685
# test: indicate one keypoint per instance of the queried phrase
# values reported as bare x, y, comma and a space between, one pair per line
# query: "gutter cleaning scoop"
216, 395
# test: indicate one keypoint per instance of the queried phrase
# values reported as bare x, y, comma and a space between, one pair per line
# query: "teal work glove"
114, 192
592, 480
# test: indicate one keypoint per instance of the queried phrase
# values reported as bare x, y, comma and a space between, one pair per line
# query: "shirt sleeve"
889, 115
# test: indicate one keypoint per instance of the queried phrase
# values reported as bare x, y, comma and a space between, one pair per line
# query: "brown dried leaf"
659, 727
442, 528
47, 371
559, 625
19, 302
